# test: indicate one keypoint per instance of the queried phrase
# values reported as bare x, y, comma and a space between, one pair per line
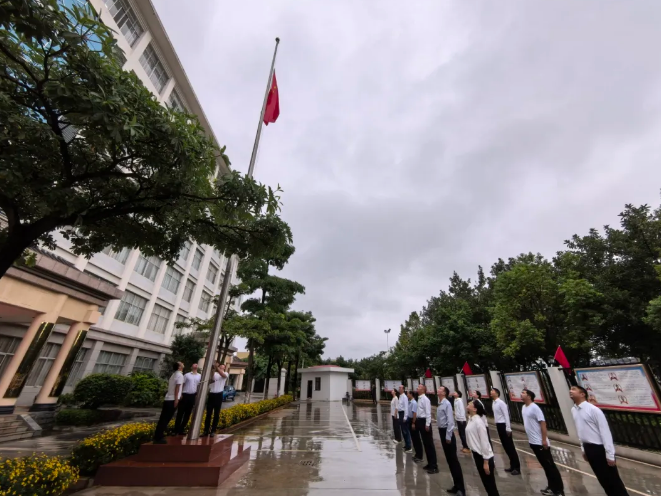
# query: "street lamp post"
387, 331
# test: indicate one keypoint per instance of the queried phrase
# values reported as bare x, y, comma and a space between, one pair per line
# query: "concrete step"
15, 429
15, 437
13, 423
8, 419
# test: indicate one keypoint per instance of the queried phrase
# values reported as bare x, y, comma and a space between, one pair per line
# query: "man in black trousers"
170, 403
215, 399
423, 425
187, 403
445, 423
501, 415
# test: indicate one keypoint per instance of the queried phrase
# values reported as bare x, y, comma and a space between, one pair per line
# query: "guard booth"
324, 383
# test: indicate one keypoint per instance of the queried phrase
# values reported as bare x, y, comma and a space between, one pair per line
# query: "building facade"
134, 330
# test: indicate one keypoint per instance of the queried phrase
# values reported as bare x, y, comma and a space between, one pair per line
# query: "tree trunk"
268, 377
279, 364
288, 378
11, 250
249, 373
294, 378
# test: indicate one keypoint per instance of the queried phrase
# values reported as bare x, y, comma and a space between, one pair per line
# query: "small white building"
324, 383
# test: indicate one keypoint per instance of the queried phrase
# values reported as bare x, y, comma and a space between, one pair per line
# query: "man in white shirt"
445, 424
215, 399
170, 403
501, 415
460, 417
423, 425
596, 442
535, 424
189, 392
403, 412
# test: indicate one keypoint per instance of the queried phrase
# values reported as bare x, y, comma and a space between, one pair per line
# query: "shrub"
67, 400
148, 390
78, 416
96, 390
36, 475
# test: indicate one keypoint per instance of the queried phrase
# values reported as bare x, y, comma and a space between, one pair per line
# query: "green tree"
184, 348
88, 151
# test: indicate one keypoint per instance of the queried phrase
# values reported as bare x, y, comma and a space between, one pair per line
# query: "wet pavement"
327, 449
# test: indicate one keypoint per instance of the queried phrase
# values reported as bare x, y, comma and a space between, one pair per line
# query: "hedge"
96, 390
36, 475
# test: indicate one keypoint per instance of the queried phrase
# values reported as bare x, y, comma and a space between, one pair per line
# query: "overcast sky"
420, 138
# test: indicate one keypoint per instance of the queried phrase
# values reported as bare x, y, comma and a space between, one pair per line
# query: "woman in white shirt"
395, 417
478, 442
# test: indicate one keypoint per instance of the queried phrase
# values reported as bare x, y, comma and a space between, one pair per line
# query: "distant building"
325, 383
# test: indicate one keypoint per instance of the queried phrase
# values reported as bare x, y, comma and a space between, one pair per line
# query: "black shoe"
426, 467
515, 472
416, 459
432, 471
159, 441
408, 450
508, 470
452, 490
547, 491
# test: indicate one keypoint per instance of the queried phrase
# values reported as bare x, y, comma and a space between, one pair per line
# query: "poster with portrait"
622, 387
363, 386
477, 382
518, 381
430, 385
390, 385
448, 382
415, 383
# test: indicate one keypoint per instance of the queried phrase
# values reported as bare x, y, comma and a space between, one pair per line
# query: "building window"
188, 290
179, 319
121, 256
212, 275
185, 251
197, 259
144, 364
154, 68
109, 363
175, 102
159, 319
205, 301
126, 20
8, 347
317, 383
42, 366
131, 308
172, 280
147, 267
77, 368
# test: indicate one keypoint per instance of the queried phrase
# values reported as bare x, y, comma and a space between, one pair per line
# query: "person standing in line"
395, 418
423, 425
416, 440
596, 442
215, 400
373, 394
170, 402
501, 415
188, 394
460, 417
535, 424
445, 424
403, 411
479, 444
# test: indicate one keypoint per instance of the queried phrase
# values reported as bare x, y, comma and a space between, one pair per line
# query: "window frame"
207, 301
136, 317
317, 383
159, 318
170, 273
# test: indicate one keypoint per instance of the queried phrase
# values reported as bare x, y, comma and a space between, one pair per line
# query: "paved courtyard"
327, 449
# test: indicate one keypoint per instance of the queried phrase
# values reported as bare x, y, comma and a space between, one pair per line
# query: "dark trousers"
552, 473
416, 440
427, 441
405, 431
450, 451
186, 404
608, 476
461, 425
488, 481
396, 428
167, 412
508, 446
214, 403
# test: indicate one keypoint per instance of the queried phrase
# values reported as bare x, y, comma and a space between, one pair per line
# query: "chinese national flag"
561, 358
272, 110
466, 369
428, 373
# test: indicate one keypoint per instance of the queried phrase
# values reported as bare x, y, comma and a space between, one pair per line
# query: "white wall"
333, 385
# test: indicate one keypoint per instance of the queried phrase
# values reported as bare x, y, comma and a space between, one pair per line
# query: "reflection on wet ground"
329, 449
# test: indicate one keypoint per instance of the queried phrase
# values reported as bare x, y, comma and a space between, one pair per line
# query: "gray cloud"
415, 140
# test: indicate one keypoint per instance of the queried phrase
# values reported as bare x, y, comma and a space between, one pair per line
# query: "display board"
622, 387
518, 381
390, 385
415, 383
430, 386
363, 386
448, 382
477, 382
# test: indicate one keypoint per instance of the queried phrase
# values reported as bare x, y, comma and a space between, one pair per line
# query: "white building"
324, 383
134, 333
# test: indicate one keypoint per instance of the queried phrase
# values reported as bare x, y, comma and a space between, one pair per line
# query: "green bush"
96, 390
78, 416
67, 400
148, 390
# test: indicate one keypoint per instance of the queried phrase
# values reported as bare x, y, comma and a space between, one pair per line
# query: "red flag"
466, 369
561, 358
428, 374
272, 110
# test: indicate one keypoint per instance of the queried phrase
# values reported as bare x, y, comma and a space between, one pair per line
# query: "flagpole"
253, 157
201, 397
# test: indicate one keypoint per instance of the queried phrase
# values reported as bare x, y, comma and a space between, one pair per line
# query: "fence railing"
638, 430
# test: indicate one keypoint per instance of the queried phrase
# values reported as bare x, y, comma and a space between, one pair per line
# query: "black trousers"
214, 403
405, 431
545, 459
461, 425
508, 446
450, 451
184, 410
167, 412
608, 476
396, 428
427, 441
488, 481
416, 440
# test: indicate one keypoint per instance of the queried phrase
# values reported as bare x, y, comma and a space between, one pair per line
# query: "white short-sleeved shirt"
175, 379
191, 382
532, 416
217, 383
